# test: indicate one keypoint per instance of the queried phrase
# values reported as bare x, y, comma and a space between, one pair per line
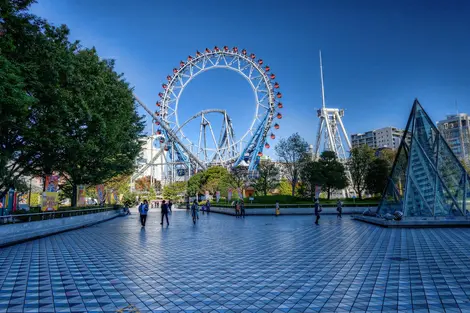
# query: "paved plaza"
224, 264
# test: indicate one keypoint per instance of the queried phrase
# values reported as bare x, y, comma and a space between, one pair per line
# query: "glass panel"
420, 199
436, 183
393, 198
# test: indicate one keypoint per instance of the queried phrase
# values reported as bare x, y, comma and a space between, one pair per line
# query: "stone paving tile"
224, 264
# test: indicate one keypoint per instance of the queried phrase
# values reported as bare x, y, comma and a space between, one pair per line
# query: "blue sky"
377, 55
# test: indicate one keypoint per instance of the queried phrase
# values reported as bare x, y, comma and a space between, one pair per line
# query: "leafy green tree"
216, 178
285, 187
195, 183
377, 175
83, 121
174, 191
359, 163
14, 127
239, 177
103, 129
333, 172
291, 152
311, 176
268, 177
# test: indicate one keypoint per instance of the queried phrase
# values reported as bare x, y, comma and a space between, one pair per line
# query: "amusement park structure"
332, 130
184, 153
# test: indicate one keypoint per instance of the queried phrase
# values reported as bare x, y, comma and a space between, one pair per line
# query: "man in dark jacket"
164, 208
317, 211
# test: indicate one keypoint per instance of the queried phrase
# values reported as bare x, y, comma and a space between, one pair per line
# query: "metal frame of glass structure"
427, 179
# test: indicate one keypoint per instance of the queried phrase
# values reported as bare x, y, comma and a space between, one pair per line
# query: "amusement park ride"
180, 155
184, 156
330, 128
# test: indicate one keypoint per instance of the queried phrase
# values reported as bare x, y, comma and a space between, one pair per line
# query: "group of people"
239, 209
165, 209
318, 209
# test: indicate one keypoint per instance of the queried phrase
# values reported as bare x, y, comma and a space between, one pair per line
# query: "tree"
174, 191
359, 163
333, 172
195, 183
14, 104
83, 121
213, 179
142, 183
291, 152
239, 176
377, 175
285, 187
268, 177
311, 176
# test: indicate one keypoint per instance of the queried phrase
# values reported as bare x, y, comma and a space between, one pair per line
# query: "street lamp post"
29, 196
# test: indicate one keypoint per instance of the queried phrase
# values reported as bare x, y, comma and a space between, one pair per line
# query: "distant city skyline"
377, 57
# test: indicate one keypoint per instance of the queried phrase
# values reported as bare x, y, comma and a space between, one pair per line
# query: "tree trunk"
74, 196
329, 192
293, 188
359, 194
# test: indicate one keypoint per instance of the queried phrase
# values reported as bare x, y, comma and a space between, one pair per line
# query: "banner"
317, 191
115, 194
100, 193
81, 195
240, 195
50, 201
217, 196
108, 195
229, 194
52, 183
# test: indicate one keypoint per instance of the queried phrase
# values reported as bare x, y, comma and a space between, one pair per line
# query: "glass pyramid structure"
427, 179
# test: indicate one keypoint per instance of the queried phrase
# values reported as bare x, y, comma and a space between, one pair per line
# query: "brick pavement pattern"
224, 264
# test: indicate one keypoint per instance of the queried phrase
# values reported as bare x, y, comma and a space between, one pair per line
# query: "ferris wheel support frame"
171, 135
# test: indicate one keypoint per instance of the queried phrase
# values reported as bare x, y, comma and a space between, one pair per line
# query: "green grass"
269, 201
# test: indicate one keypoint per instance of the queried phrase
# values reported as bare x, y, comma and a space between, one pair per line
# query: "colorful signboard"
229, 194
240, 195
317, 191
50, 201
81, 195
100, 193
52, 183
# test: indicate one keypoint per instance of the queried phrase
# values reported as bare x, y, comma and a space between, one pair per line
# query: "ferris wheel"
227, 149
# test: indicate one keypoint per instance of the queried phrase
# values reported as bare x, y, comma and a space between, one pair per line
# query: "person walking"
208, 206
237, 209
170, 205
164, 208
278, 211
143, 209
339, 209
242, 209
317, 211
194, 211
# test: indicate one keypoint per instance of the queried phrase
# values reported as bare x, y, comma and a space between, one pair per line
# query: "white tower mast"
331, 127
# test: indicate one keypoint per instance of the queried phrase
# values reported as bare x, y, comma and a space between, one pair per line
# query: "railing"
307, 206
33, 217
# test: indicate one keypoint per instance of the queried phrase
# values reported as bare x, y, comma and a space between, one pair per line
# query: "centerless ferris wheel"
186, 154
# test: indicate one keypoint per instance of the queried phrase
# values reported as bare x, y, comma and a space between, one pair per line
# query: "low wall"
291, 211
15, 233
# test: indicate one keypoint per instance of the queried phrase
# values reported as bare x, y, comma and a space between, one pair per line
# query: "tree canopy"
291, 152
63, 108
268, 177
359, 165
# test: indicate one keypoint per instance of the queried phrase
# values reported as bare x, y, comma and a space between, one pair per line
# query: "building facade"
456, 131
387, 137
